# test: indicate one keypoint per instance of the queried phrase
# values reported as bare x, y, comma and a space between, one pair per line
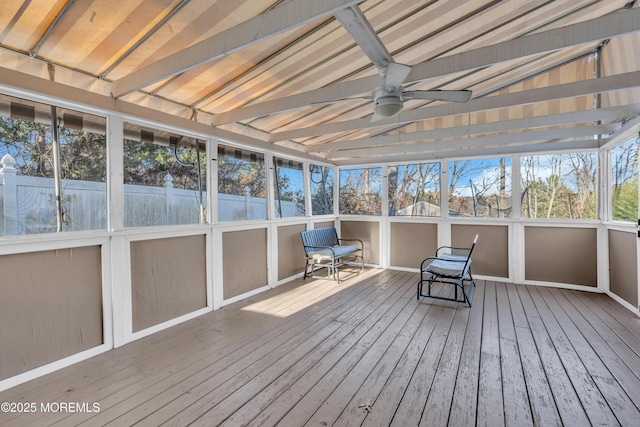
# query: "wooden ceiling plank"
271, 23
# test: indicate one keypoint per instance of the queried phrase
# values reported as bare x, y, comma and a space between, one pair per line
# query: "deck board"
517, 410
564, 394
465, 394
490, 399
315, 352
593, 403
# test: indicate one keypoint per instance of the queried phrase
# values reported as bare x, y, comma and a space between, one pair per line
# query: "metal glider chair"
450, 265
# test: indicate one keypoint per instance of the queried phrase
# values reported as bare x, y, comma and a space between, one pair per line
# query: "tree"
625, 201
584, 166
411, 184
360, 191
321, 190
236, 174
29, 143
83, 154
624, 197
148, 164
485, 195
561, 185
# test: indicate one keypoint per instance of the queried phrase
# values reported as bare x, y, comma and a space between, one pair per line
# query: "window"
241, 185
361, 191
289, 188
414, 190
624, 181
480, 188
321, 190
163, 178
28, 186
559, 186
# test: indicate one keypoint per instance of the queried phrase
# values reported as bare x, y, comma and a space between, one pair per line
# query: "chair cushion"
448, 268
326, 254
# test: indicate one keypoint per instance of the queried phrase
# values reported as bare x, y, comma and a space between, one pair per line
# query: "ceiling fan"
389, 98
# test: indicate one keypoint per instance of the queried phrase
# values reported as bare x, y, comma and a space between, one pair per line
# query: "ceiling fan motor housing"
387, 104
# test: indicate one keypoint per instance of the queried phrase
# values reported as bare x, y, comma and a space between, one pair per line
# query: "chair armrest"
426, 262
451, 248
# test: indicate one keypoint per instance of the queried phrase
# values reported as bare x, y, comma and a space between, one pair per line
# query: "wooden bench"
324, 249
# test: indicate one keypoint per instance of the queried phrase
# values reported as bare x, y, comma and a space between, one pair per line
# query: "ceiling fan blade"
438, 95
395, 75
354, 21
376, 117
333, 101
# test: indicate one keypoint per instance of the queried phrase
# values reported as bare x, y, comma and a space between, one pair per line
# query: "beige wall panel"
561, 255
411, 243
168, 279
291, 259
491, 254
368, 232
50, 307
324, 224
623, 271
244, 261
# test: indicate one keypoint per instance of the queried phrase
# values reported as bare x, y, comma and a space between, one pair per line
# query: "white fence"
27, 204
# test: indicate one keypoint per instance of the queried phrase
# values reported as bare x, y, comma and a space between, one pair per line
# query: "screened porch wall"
242, 258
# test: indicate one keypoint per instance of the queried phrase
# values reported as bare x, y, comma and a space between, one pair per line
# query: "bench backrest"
318, 237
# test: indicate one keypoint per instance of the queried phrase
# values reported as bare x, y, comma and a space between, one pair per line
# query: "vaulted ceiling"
544, 75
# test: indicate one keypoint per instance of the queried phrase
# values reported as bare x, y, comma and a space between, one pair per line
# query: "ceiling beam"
476, 143
603, 115
629, 130
269, 24
567, 90
597, 29
524, 148
305, 99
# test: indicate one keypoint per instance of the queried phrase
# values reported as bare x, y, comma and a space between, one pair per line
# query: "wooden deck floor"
365, 352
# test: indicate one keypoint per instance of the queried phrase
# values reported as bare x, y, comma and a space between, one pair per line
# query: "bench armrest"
353, 240
321, 247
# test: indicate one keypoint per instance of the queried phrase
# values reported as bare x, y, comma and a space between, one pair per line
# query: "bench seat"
323, 249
